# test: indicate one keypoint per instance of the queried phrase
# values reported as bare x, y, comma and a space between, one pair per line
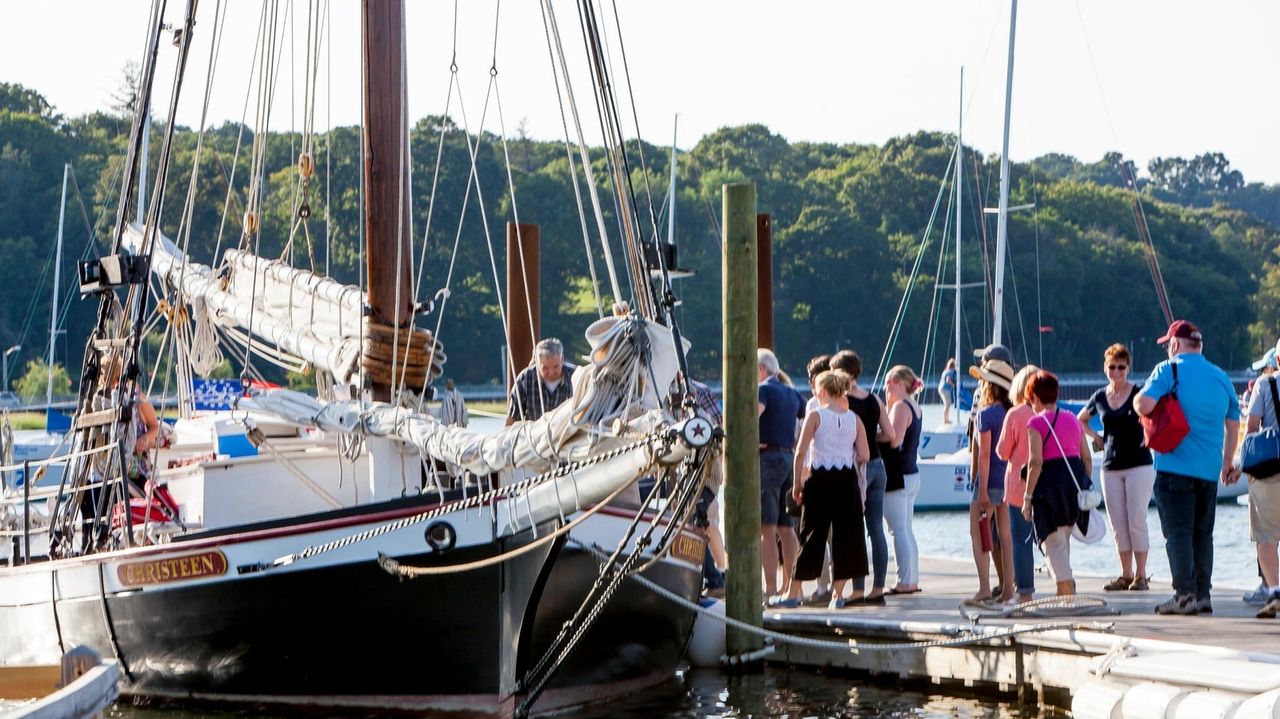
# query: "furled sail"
313, 318
617, 398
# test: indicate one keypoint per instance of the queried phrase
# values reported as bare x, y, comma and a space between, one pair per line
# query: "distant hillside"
848, 221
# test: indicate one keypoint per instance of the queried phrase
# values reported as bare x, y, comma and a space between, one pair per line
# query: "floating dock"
1134, 664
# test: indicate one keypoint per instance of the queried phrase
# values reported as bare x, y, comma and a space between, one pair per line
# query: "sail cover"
298, 312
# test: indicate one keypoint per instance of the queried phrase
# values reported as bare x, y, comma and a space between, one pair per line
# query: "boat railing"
30, 495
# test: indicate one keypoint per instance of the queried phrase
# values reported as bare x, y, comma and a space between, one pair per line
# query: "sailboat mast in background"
1002, 221
57, 278
959, 221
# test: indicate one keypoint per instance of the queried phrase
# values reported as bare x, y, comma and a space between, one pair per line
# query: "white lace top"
833, 442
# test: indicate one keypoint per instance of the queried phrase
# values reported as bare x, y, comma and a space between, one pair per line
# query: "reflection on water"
709, 694
780, 693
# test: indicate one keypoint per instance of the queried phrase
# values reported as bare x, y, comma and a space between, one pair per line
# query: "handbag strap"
1275, 403
1063, 451
1174, 392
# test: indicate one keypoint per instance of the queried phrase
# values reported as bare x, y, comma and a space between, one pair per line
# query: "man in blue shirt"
1186, 489
780, 407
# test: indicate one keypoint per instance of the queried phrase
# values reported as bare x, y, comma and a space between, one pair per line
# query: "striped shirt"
531, 398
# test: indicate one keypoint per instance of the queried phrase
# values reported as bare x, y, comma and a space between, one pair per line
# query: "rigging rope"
898, 319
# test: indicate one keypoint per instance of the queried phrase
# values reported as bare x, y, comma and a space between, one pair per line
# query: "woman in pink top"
1012, 448
1057, 459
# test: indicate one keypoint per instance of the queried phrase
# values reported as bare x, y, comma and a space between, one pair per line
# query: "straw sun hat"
995, 371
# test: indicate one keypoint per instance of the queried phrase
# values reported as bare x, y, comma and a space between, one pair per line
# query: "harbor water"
709, 694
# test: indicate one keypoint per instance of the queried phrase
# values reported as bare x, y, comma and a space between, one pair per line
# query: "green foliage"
848, 222
34, 382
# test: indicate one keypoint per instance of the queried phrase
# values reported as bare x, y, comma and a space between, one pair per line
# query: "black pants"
832, 505
1187, 507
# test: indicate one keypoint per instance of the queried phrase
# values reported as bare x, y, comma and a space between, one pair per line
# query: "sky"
1145, 77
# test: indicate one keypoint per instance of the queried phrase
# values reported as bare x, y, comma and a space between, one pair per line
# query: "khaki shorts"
1264, 510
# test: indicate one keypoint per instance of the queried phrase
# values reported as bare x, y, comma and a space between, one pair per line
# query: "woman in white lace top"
832, 445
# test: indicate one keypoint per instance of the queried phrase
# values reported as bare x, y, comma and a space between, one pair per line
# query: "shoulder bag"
1260, 452
1166, 426
1087, 500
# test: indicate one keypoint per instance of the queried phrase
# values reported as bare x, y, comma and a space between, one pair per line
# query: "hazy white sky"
1146, 77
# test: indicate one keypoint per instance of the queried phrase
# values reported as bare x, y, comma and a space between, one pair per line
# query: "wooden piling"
764, 278
524, 275
742, 455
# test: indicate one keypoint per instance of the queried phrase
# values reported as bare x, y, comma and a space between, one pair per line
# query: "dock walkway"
1191, 666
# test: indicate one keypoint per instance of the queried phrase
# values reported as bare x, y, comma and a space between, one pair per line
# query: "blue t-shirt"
1207, 399
991, 419
782, 407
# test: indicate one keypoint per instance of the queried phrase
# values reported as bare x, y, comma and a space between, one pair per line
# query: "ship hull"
200, 620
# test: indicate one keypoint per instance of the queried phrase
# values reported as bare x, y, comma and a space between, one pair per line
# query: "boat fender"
707, 641
441, 536
1263, 706
1150, 699
1208, 705
1098, 700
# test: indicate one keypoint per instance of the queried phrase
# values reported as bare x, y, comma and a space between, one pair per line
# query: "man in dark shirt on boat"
780, 408
543, 385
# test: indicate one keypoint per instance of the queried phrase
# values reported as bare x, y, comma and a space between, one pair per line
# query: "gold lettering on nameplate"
173, 569
688, 548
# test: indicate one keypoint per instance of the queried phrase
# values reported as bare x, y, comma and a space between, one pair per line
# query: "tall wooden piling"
742, 455
764, 278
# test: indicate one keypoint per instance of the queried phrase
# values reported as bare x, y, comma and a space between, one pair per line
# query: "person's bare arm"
147, 413
1035, 460
1254, 424
885, 432
1143, 404
900, 420
802, 453
1084, 416
1229, 476
1086, 456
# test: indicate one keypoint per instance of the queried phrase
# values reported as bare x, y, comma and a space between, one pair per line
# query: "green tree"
35, 380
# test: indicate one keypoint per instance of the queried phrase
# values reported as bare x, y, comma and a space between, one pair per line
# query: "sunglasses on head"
1117, 366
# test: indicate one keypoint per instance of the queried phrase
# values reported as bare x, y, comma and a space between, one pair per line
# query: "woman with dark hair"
875, 418
1128, 476
1058, 459
987, 508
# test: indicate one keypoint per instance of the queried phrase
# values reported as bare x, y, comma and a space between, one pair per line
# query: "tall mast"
386, 213
959, 218
671, 203
57, 262
142, 169
1002, 221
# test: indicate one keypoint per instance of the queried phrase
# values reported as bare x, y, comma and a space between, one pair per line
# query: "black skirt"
1054, 503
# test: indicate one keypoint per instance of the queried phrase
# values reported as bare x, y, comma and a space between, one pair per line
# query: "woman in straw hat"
987, 472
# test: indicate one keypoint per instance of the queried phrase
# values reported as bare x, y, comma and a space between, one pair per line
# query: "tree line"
848, 223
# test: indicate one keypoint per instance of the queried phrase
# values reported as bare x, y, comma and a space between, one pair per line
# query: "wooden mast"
386, 213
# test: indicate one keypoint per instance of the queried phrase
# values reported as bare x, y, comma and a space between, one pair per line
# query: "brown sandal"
1140, 584
1118, 584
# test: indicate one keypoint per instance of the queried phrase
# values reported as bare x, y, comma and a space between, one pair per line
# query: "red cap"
1182, 329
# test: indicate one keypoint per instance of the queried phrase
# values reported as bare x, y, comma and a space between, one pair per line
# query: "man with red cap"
1187, 477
